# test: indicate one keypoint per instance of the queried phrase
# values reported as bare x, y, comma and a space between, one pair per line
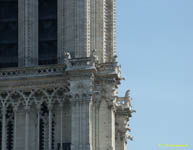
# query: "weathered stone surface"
72, 104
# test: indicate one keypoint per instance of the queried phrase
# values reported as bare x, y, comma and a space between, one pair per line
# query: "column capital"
27, 108
61, 104
50, 106
38, 107
15, 108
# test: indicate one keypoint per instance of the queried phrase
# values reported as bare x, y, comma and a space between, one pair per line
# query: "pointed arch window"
10, 128
44, 129
47, 32
8, 33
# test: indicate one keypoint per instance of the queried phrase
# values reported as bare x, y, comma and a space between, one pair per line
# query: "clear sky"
155, 49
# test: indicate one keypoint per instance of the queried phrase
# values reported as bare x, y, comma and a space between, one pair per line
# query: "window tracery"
43, 99
10, 127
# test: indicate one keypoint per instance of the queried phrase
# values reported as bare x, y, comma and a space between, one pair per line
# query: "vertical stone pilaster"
4, 110
96, 143
81, 119
82, 32
81, 124
15, 128
106, 128
109, 30
73, 28
50, 127
28, 33
93, 25
97, 27
75, 125
38, 125
61, 126
88, 123
95, 125
61, 29
66, 28
87, 28
26, 127
104, 30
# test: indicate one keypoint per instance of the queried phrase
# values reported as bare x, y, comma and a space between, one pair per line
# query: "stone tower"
59, 76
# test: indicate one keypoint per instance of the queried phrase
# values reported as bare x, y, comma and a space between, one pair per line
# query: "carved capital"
27, 108
50, 106
15, 107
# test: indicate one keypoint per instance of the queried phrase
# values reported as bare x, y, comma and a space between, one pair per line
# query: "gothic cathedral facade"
59, 76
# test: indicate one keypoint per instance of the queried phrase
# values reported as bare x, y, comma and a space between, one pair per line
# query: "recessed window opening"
8, 33
47, 32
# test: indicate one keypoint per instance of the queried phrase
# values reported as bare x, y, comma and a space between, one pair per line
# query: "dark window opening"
44, 128
8, 33
65, 146
47, 32
10, 128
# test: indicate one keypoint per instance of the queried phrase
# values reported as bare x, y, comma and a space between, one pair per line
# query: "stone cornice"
30, 72
73, 66
108, 70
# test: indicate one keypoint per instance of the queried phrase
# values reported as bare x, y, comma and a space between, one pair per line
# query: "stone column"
27, 127
50, 127
87, 106
81, 126
75, 123
38, 126
61, 126
28, 33
15, 127
4, 110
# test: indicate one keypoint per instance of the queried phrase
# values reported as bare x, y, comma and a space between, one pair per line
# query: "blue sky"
155, 50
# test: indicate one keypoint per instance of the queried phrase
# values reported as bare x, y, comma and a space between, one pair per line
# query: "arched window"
8, 33
10, 128
47, 32
44, 128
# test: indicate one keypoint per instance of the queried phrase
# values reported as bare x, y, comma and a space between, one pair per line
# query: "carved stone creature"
94, 58
67, 58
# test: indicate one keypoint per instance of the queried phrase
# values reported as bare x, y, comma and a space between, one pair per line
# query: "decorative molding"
28, 72
37, 96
